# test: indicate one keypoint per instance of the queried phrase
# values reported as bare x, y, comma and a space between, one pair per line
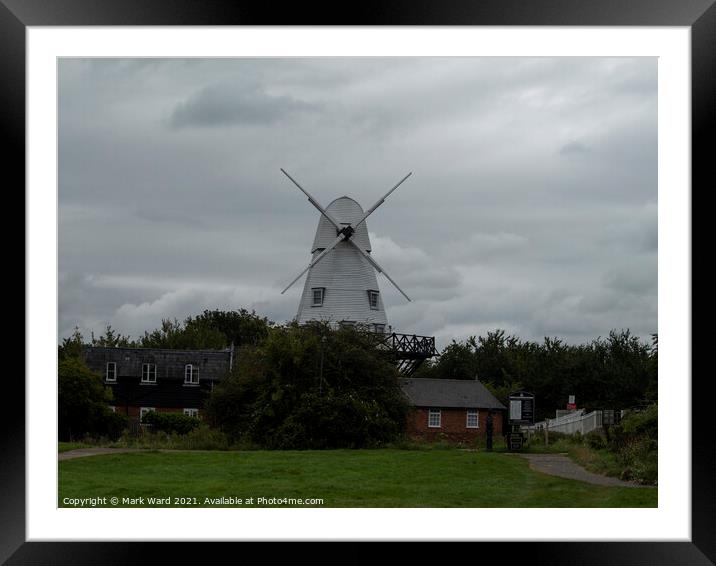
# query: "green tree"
83, 402
71, 347
112, 339
311, 387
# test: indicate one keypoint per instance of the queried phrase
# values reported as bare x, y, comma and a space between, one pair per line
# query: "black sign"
522, 408
515, 441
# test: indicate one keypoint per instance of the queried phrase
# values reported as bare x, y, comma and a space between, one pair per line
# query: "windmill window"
149, 373
373, 299
191, 412
473, 420
434, 418
111, 373
191, 374
318, 293
380, 328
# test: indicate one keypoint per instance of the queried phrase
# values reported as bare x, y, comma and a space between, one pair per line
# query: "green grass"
342, 478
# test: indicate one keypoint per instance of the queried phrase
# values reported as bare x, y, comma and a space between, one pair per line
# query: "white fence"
572, 423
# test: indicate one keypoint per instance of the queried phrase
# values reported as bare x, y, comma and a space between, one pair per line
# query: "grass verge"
340, 478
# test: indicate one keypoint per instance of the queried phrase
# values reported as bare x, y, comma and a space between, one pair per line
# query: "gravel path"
82, 452
561, 466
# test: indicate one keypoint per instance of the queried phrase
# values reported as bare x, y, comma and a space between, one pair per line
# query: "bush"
311, 387
113, 425
595, 440
171, 422
83, 400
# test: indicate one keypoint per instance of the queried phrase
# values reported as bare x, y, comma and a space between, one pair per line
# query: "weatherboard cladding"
449, 393
169, 389
345, 210
213, 364
344, 274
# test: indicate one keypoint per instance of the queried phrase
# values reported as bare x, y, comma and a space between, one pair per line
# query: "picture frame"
17, 15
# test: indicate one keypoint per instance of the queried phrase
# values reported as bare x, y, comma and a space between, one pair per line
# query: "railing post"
546, 432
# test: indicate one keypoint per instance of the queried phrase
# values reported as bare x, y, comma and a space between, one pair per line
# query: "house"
451, 409
155, 379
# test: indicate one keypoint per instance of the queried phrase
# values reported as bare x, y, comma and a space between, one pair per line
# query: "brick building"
155, 379
450, 409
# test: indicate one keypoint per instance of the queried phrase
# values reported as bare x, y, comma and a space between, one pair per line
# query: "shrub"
595, 440
171, 422
311, 387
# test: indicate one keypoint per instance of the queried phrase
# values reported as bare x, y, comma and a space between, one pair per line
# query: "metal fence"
577, 421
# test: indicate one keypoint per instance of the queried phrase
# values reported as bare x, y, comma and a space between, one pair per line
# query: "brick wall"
453, 425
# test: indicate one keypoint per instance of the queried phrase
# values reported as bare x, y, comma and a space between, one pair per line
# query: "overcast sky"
532, 206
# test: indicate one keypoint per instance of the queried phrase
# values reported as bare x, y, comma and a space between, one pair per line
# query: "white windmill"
341, 286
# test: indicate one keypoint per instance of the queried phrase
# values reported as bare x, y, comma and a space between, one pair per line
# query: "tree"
112, 339
240, 327
71, 347
177, 336
311, 387
83, 402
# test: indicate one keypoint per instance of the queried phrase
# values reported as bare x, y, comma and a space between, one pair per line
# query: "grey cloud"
573, 147
227, 104
496, 227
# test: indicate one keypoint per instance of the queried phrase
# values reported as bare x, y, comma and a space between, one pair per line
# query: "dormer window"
149, 373
318, 293
191, 374
373, 299
111, 372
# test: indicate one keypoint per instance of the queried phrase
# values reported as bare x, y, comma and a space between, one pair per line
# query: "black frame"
699, 15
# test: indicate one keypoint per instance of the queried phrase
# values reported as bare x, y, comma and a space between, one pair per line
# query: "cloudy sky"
532, 206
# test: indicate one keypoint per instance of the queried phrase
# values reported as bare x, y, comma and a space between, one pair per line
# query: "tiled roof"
458, 393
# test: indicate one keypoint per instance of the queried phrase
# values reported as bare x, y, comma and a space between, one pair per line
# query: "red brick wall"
453, 425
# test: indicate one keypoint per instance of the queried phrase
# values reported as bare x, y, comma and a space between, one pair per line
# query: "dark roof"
212, 364
458, 393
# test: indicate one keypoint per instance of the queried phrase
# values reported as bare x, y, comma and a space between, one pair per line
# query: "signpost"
571, 404
521, 412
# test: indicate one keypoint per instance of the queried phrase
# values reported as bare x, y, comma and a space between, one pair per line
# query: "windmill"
341, 286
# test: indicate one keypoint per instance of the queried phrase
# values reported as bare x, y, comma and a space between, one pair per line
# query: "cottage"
451, 409
155, 379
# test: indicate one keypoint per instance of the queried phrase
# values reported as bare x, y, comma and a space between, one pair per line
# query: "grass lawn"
342, 478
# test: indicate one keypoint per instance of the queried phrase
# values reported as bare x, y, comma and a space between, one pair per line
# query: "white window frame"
191, 375
380, 328
371, 295
472, 413
144, 410
151, 370
432, 413
191, 412
114, 372
313, 296
113, 408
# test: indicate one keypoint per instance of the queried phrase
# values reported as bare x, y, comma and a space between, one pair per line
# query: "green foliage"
211, 330
616, 372
171, 422
311, 387
112, 339
71, 347
239, 327
83, 402
177, 336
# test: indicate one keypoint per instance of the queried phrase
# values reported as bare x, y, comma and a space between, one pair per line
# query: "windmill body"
342, 288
